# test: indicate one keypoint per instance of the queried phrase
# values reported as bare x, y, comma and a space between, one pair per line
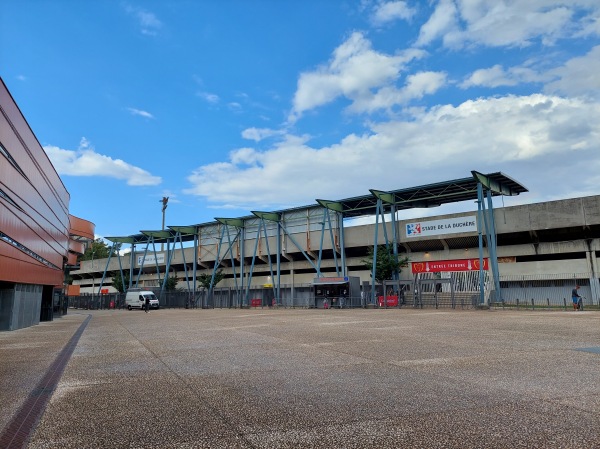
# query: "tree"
386, 263
96, 250
205, 279
171, 284
121, 284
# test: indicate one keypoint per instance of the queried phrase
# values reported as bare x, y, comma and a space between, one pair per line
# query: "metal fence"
550, 292
449, 290
169, 300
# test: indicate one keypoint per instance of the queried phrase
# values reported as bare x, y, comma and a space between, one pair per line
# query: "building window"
7, 155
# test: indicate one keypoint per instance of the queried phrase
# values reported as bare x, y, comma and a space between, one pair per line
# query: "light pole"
164, 202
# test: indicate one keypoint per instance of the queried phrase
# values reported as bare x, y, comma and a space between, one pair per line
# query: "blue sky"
237, 105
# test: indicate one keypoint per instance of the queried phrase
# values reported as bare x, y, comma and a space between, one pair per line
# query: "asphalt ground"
282, 378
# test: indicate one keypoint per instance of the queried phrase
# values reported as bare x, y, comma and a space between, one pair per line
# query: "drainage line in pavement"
17, 433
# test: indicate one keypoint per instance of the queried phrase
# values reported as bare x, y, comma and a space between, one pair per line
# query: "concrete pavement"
281, 378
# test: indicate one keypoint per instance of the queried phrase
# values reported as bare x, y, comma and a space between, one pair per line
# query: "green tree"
171, 284
204, 278
386, 263
121, 284
96, 250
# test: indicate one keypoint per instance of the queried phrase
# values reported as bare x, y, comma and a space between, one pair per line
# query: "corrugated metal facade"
38, 237
34, 204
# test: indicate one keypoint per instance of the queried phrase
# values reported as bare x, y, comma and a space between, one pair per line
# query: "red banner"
448, 265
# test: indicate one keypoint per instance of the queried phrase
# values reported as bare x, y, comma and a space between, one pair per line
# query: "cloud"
258, 134
417, 85
579, 76
493, 77
590, 24
386, 12
234, 106
353, 71
520, 135
498, 76
148, 22
443, 20
86, 162
140, 113
514, 24
208, 97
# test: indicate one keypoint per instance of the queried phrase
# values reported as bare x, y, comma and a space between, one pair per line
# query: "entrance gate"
459, 290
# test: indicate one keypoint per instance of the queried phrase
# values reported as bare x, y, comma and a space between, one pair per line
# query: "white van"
136, 297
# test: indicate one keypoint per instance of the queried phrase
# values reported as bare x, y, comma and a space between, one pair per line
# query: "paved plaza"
282, 378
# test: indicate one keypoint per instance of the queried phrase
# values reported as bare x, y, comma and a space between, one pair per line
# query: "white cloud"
386, 12
497, 76
352, 72
575, 77
148, 22
502, 23
579, 76
540, 134
493, 77
139, 112
590, 24
208, 97
234, 106
417, 85
258, 134
442, 21
86, 162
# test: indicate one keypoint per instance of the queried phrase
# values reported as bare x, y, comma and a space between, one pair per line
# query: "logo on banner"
430, 228
149, 259
413, 229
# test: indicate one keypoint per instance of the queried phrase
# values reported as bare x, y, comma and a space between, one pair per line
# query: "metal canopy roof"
430, 195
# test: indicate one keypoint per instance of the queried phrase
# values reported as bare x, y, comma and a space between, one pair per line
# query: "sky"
233, 106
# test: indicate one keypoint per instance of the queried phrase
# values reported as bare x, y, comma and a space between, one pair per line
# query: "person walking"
342, 299
147, 303
576, 298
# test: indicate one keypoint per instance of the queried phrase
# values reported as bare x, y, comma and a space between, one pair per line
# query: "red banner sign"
448, 265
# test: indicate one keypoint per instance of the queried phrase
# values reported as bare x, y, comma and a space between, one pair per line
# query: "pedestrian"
147, 303
343, 299
576, 298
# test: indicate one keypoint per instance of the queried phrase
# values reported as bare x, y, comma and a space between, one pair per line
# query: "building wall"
34, 216
20, 306
36, 238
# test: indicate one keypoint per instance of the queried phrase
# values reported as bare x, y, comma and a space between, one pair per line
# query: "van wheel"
128, 307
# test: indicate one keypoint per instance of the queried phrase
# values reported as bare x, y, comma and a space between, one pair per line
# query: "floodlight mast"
164, 202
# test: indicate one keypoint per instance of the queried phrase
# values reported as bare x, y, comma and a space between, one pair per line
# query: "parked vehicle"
136, 298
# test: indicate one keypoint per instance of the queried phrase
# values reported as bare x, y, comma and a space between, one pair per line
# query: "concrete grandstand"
541, 251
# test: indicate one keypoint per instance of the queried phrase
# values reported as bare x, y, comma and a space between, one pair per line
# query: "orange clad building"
39, 239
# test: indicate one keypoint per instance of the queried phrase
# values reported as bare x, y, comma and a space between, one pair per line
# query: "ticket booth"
336, 292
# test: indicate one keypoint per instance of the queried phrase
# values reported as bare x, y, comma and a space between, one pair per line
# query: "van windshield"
151, 297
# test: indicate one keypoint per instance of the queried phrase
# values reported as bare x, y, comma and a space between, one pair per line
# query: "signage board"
150, 259
448, 265
441, 227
